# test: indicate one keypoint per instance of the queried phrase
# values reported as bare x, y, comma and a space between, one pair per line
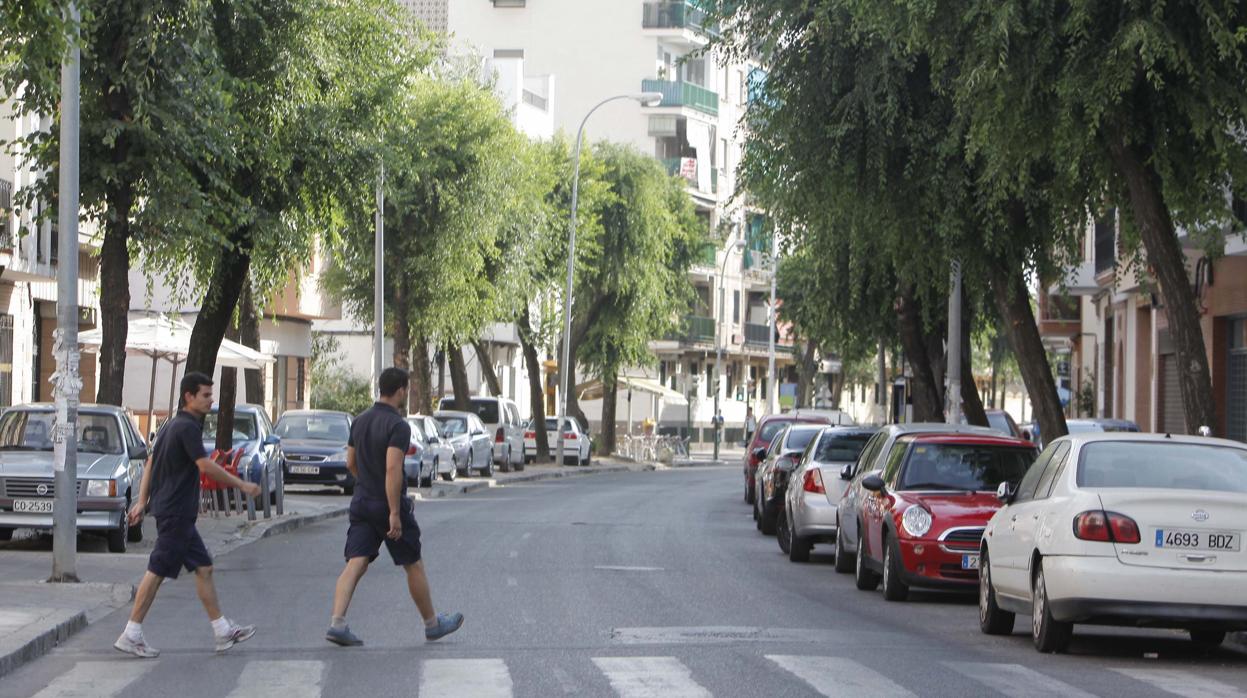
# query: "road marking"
728, 634
1016, 681
837, 676
96, 679
480, 678
285, 677
650, 677
626, 568
1182, 683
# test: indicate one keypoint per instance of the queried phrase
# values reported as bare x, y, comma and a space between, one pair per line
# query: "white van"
502, 418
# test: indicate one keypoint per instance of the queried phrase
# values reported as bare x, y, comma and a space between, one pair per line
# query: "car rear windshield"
245, 428
798, 438
487, 410
28, 430
316, 427
840, 448
1170, 466
968, 467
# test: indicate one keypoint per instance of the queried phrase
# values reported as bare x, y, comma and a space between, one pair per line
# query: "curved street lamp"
647, 99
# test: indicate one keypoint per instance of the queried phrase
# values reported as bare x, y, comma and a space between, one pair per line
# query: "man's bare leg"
131, 640
418, 585
145, 595
207, 592
347, 581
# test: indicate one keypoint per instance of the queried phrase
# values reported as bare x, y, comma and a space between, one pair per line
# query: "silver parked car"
111, 457
433, 456
471, 443
501, 418
815, 488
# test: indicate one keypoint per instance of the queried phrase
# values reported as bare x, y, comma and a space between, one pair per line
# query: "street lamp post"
772, 383
718, 343
648, 99
378, 289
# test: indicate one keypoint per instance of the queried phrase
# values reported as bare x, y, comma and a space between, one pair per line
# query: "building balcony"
694, 328
758, 336
680, 167
684, 94
677, 14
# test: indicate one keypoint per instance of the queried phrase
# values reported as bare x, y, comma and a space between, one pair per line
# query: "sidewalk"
36, 616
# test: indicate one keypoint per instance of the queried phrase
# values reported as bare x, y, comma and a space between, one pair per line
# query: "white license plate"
304, 470
32, 506
1188, 539
969, 562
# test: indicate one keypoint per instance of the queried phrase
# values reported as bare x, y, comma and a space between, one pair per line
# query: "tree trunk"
487, 367
1013, 303
1168, 264
971, 400
249, 335
536, 387
227, 396
229, 274
837, 388
805, 375
441, 374
402, 334
928, 405
421, 393
610, 394
114, 303
458, 376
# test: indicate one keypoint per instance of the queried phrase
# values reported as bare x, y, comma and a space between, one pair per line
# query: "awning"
592, 390
169, 338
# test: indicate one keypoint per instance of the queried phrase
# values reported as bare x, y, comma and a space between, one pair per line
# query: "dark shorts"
178, 545
370, 521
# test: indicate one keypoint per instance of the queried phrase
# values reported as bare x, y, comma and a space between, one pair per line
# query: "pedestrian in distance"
751, 425
381, 511
171, 485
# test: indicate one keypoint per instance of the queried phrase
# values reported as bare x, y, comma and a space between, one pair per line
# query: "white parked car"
1121, 529
577, 448
501, 418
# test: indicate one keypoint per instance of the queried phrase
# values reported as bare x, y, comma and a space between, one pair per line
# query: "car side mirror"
846, 473
138, 452
272, 440
759, 453
874, 483
477, 432
1005, 493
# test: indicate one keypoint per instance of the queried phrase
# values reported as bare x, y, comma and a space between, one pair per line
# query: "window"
840, 447
742, 86
6, 215
895, 457
735, 306
314, 427
1106, 242
1167, 466
246, 427
301, 377
510, 3
1049, 473
6, 360
963, 467
1030, 481
869, 453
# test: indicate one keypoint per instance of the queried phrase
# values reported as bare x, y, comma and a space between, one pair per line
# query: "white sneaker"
235, 634
138, 648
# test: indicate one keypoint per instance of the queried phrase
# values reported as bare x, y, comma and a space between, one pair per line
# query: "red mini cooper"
923, 523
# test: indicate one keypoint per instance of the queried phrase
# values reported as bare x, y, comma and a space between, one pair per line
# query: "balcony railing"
7, 238
674, 166
684, 94
533, 99
700, 329
677, 14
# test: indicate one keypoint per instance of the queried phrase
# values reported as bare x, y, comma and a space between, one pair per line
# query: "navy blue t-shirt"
373, 433
175, 477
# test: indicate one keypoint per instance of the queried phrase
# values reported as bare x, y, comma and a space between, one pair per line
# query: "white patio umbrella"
168, 338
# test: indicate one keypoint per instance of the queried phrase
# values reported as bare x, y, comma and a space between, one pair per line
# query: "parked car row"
1106, 527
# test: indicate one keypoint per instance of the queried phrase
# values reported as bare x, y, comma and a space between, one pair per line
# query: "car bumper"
812, 515
1103, 590
928, 564
86, 520
326, 474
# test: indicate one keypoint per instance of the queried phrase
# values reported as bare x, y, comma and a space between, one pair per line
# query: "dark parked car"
314, 445
768, 427
772, 477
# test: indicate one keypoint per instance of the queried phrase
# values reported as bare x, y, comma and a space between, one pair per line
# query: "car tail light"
1106, 527
813, 482
530, 434
411, 450
500, 435
569, 436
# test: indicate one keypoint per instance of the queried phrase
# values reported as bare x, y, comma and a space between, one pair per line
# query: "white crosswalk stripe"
1016, 681
837, 676
286, 678
650, 677
1182, 683
96, 679
481, 678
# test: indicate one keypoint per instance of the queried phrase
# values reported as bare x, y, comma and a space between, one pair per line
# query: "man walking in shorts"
171, 480
381, 512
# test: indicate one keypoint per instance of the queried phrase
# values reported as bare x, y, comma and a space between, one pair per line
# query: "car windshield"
1170, 466
245, 428
316, 427
28, 430
966, 467
798, 438
453, 426
840, 448
771, 428
999, 422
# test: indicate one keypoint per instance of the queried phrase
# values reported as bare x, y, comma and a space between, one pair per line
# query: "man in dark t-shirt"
381, 512
171, 486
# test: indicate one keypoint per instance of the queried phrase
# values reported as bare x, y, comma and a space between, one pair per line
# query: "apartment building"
1111, 323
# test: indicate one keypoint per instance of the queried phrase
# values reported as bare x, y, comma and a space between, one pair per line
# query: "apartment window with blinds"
301, 375
6, 360
6, 215
1106, 242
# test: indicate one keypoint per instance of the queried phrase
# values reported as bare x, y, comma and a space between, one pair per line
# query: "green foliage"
333, 386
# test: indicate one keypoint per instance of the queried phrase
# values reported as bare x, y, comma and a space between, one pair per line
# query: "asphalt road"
637, 584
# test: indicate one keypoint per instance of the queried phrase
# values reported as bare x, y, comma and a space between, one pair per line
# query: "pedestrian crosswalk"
634, 677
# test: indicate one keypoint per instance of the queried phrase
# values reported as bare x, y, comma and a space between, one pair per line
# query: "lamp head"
648, 99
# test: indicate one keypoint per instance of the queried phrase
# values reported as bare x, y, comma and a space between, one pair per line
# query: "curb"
277, 528
570, 471
43, 643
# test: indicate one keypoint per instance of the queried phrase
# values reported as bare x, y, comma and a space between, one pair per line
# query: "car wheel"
1050, 635
117, 537
6, 534
798, 547
866, 579
505, 465
454, 473
844, 561
767, 518
1208, 638
748, 493
992, 619
488, 470
781, 534
894, 588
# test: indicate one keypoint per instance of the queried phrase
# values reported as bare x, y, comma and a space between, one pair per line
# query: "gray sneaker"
235, 634
343, 637
138, 648
446, 624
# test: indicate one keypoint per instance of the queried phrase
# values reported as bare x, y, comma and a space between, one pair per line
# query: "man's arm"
209, 467
394, 487
350, 462
145, 488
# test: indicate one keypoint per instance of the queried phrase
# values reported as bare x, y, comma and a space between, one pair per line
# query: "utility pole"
954, 346
717, 423
66, 382
772, 384
378, 291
